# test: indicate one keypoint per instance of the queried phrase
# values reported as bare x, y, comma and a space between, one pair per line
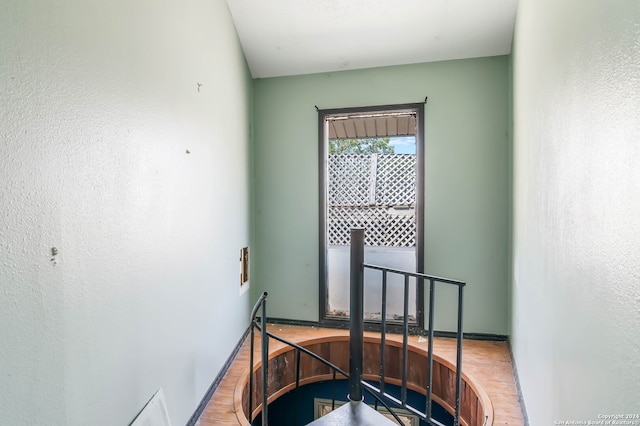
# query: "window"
371, 176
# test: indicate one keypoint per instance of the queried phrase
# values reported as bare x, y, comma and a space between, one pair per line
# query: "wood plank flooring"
486, 363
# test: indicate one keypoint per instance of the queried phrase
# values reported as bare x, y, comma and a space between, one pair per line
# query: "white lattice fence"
373, 191
396, 181
349, 176
342, 219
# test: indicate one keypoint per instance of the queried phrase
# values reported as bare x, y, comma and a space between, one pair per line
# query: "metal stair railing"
356, 340
427, 415
261, 304
357, 267
265, 335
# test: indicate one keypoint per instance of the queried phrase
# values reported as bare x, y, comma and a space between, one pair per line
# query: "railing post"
405, 341
356, 314
265, 363
459, 356
260, 305
251, 384
383, 331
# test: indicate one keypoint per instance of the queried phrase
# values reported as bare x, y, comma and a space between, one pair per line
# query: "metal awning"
374, 125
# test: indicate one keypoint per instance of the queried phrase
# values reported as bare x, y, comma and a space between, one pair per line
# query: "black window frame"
323, 295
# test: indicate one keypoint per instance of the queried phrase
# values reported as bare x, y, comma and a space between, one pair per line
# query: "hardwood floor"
487, 363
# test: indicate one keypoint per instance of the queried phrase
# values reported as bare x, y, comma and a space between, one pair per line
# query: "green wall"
576, 257
467, 170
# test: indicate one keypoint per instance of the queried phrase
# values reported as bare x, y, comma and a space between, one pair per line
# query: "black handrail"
420, 278
357, 273
356, 383
366, 386
376, 393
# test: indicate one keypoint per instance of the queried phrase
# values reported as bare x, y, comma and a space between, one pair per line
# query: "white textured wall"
99, 103
576, 241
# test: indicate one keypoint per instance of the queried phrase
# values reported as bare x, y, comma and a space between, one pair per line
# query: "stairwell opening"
476, 408
310, 402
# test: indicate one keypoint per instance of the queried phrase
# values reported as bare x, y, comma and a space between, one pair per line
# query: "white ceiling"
289, 37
